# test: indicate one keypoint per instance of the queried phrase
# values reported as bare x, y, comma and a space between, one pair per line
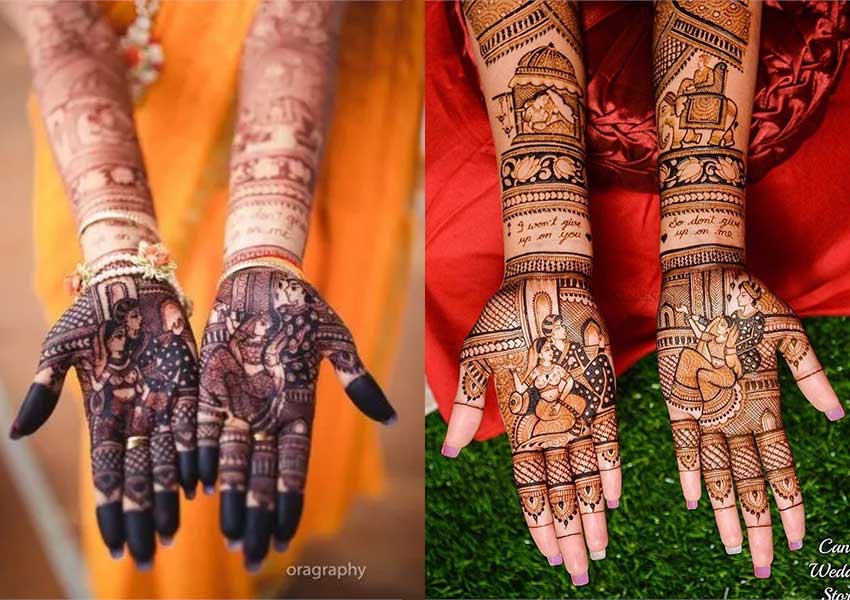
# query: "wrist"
103, 238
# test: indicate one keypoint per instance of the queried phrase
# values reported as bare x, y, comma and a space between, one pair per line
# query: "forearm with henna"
127, 332
719, 327
541, 337
285, 92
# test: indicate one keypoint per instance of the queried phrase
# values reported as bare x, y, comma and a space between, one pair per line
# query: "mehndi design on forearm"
80, 79
719, 328
130, 342
265, 338
285, 93
540, 337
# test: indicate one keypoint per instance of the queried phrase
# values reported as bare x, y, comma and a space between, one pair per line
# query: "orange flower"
155, 254
73, 284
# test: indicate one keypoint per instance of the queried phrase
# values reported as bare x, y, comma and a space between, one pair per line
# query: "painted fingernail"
391, 421
166, 540
579, 580
835, 414
116, 553
233, 545
599, 555
795, 545
612, 504
281, 546
556, 560
450, 451
691, 504
731, 550
190, 495
253, 567
762, 572
209, 490
15, 432
144, 566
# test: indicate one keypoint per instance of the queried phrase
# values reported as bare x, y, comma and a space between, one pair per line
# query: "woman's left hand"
258, 388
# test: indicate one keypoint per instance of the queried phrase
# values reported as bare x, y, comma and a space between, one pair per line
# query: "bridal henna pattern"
285, 94
543, 343
265, 338
135, 357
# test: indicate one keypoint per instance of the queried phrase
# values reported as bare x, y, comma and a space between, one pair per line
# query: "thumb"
41, 398
468, 408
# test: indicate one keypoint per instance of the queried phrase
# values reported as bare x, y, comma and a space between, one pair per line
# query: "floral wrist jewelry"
151, 261
268, 263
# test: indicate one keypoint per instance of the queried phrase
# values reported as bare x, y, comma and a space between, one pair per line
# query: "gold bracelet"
269, 263
136, 440
142, 219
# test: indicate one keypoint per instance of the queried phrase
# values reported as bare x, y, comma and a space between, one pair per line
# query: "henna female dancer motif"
126, 333
540, 337
719, 328
269, 329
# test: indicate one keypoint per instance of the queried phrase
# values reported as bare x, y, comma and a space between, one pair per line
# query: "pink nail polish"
691, 504
762, 572
556, 560
612, 504
450, 451
795, 545
579, 580
835, 414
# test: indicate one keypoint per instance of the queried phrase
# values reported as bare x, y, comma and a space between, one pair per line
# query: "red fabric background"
798, 209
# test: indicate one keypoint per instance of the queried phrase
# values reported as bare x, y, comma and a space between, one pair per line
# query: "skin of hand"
541, 337
719, 327
259, 367
555, 387
131, 345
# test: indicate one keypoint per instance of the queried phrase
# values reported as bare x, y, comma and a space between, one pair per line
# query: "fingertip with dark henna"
35, 410
208, 467
110, 522
139, 525
289, 507
166, 513
188, 468
258, 530
368, 396
232, 514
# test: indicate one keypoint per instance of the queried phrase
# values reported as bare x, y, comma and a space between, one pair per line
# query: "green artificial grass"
479, 547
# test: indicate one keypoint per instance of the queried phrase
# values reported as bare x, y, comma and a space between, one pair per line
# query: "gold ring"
136, 441
262, 437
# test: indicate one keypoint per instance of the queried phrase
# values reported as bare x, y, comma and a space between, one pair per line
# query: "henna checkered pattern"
774, 450
558, 469
665, 56
183, 420
686, 443
79, 316
529, 469
137, 468
500, 313
208, 431
745, 459
107, 466
162, 449
713, 451
583, 458
605, 427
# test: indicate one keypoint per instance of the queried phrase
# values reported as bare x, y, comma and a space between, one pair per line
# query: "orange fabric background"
357, 253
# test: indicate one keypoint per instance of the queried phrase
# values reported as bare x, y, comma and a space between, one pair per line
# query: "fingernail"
795, 545
691, 504
166, 540
450, 451
835, 414
598, 555
144, 566
15, 432
579, 580
730, 550
253, 567
116, 553
556, 560
391, 421
281, 546
612, 504
763, 572
233, 545
209, 490
190, 494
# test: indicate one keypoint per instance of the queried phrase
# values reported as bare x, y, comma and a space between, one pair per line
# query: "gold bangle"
136, 440
269, 263
144, 220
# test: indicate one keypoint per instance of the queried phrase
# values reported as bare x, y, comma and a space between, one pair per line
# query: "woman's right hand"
124, 335
562, 467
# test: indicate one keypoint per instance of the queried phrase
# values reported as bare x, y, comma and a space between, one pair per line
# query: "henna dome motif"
547, 63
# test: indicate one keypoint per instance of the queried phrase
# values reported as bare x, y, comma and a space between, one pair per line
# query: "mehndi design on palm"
130, 342
265, 338
543, 343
